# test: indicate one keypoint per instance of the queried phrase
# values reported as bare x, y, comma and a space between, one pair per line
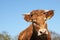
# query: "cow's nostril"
40, 32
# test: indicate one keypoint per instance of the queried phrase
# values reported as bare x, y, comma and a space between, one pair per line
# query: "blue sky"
11, 18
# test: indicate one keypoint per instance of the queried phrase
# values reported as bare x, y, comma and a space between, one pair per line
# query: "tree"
4, 36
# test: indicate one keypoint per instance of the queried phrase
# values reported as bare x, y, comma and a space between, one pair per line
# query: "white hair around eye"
45, 18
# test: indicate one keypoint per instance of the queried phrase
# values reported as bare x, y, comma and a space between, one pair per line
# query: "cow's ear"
49, 14
27, 17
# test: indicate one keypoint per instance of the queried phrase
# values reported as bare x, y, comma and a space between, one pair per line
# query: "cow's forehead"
37, 12
46, 10
27, 13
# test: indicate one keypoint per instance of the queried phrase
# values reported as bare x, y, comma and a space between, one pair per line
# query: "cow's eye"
45, 12
31, 15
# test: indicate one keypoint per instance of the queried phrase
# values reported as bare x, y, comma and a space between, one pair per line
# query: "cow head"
38, 18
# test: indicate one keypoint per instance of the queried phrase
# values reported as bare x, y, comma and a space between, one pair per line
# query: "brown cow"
38, 29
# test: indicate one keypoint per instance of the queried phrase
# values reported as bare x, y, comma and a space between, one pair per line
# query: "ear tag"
48, 18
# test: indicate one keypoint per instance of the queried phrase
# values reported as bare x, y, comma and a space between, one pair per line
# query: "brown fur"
31, 32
